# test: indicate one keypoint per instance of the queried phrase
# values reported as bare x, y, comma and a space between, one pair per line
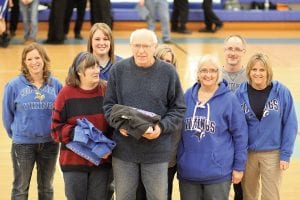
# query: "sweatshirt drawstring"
200, 105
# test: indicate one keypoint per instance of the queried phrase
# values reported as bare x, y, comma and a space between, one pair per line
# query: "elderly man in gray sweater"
147, 83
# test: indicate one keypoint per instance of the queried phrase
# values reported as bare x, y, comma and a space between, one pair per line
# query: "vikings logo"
39, 96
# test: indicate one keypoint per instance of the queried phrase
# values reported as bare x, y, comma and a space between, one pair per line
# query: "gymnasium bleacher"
124, 11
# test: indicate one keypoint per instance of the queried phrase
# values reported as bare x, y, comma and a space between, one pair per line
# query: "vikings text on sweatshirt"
214, 137
278, 127
26, 110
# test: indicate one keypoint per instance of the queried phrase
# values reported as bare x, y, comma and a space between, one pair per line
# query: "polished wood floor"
280, 41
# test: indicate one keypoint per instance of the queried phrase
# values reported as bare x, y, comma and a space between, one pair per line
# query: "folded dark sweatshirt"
135, 121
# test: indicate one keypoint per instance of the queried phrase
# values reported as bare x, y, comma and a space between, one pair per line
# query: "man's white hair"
145, 33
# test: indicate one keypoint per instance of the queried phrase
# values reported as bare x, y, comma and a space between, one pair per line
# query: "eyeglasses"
234, 50
208, 71
144, 46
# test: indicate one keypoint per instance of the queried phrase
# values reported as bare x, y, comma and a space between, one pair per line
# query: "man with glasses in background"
234, 73
151, 85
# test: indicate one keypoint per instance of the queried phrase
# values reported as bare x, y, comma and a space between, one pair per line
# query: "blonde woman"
272, 126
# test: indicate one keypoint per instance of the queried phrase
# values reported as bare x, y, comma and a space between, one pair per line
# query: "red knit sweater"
71, 104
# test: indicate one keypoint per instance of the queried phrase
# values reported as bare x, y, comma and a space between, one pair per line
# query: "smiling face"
259, 71
100, 43
34, 63
258, 76
208, 74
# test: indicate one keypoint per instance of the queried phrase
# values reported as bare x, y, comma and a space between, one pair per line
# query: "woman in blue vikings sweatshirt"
213, 149
26, 114
272, 123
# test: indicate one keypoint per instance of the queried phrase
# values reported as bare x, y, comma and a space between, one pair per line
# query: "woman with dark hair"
102, 45
82, 97
26, 113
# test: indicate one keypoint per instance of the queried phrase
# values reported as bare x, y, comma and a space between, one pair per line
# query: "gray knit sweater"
156, 89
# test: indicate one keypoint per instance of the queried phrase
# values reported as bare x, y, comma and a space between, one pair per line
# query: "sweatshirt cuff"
285, 158
161, 127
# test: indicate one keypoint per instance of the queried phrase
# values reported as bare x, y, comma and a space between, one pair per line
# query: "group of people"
234, 125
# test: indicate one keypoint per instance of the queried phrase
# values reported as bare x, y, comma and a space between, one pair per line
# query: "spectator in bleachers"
101, 12
162, 7
180, 16
56, 33
14, 17
29, 11
210, 18
101, 43
80, 6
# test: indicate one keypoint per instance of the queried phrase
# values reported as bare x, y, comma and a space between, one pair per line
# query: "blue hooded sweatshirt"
104, 71
278, 127
26, 110
214, 137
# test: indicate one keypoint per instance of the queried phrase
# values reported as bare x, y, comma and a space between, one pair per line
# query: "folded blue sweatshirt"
89, 142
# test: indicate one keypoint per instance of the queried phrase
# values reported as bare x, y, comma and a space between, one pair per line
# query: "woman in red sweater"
82, 97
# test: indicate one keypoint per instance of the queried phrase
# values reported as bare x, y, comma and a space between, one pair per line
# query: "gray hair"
145, 32
214, 60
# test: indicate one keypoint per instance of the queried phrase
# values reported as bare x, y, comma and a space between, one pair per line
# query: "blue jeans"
24, 157
193, 191
162, 6
154, 177
30, 19
92, 185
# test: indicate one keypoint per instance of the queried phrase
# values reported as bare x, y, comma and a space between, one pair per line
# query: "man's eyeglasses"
144, 46
234, 50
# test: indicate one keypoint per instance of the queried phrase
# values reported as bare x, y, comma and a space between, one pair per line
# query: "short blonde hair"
264, 59
212, 59
162, 50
